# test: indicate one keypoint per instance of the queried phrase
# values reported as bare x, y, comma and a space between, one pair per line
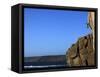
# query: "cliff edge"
81, 53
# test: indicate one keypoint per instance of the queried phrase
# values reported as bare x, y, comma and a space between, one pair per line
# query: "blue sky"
52, 32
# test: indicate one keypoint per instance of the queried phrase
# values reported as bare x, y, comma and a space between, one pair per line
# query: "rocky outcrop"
91, 24
81, 53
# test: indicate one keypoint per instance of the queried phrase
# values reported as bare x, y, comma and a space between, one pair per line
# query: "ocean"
45, 61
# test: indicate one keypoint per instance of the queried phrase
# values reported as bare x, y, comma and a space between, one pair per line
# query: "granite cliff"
81, 53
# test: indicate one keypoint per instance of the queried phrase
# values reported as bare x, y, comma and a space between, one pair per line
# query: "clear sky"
52, 32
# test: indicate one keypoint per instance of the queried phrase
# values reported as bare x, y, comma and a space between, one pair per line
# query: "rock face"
91, 22
81, 53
